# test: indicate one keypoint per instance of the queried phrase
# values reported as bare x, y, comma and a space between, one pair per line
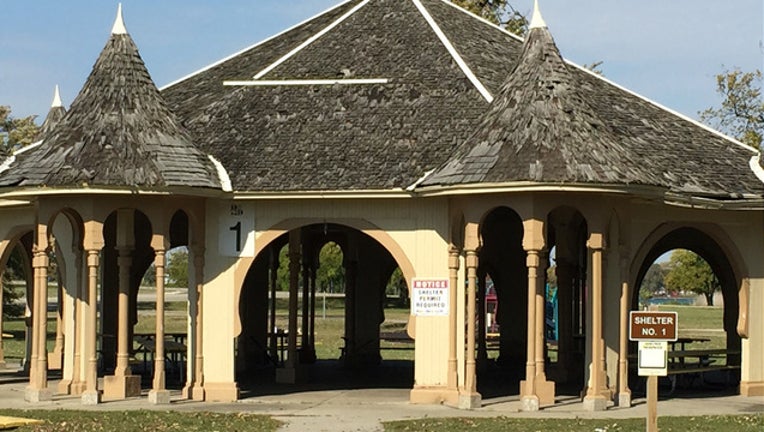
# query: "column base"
293, 375
545, 390
595, 403
159, 397
121, 387
221, 392
55, 360
34, 395
193, 392
64, 386
434, 396
752, 388
470, 401
77, 388
624, 399
91, 397
529, 403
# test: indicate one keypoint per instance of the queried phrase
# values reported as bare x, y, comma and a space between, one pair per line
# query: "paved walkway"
366, 409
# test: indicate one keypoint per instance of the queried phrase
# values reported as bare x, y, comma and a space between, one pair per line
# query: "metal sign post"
653, 331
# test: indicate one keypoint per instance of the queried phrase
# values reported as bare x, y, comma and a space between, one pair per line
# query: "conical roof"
55, 115
118, 133
541, 128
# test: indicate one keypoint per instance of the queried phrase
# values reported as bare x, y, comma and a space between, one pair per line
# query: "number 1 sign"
236, 230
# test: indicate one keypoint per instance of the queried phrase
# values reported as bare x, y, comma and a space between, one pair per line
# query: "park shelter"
414, 135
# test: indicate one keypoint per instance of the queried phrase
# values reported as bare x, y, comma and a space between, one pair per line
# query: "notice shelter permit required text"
429, 297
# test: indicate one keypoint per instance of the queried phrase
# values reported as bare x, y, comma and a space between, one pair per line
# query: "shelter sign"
429, 297
652, 326
236, 230
653, 358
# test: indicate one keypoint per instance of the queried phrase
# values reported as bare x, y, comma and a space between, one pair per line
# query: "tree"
741, 113
330, 276
499, 12
177, 267
653, 282
14, 271
687, 271
15, 133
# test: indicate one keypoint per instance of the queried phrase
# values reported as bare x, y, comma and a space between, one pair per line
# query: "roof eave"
16, 193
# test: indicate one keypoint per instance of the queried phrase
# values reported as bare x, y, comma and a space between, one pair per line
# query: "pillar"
38, 391
288, 374
307, 353
2, 354
545, 390
453, 278
123, 383
159, 393
624, 393
273, 280
55, 358
78, 384
482, 349
194, 388
470, 398
595, 399
91, 395
533, 243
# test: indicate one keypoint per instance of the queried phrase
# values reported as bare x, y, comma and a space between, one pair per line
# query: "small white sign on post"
236, 230
653, 358
429, 297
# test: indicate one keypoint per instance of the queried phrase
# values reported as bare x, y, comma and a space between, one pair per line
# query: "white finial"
56, 99
119, 23
537, 21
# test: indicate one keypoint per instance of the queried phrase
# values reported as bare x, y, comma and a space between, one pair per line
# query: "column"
470, 398
123, 383
38, 391
453, 277
482, 349
91, 395
312, 309
565, 317
595, 400
528, 396
273, 266
197, 392
288, 374
306, 355
55, 358
158, 393
78, 384
2, 354
545, 390
624, 393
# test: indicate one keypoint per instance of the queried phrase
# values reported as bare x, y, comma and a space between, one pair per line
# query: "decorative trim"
310, 40
225, 179
451, 50
329, 82
238, 53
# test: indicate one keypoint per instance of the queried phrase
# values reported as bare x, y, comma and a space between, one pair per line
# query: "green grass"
141, 421
740, 423
700, 322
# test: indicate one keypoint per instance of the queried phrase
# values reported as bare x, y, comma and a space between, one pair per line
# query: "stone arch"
713, 245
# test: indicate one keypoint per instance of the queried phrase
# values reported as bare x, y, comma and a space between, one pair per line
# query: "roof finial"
537, 21
119, 23
56, 99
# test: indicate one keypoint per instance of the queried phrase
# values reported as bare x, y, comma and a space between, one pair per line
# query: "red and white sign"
429, 297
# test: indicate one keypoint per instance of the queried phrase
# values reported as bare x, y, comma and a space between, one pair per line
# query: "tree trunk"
709, 298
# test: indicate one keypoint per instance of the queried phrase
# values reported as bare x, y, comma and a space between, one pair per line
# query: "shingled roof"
118, 133
55, 115
373, 94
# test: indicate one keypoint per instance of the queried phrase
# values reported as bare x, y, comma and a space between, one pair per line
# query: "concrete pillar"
194, 388
55, 358
470, 398
78, 369
272, 280
545, 390
38, 391
482, 349
533, 243
624, 393
123, 384
159, 393
312, 308
595, 399
91, 395
289, 374
453, 277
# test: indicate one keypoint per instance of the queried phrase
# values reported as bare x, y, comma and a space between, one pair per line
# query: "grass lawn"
700, 322
141, 421
740, 423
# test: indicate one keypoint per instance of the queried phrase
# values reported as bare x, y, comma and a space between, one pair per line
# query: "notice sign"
429, 297
653, 359
652, 326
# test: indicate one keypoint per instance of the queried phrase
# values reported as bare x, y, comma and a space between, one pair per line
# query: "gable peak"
119, 23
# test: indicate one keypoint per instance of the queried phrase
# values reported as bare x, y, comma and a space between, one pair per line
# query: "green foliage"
749, 422
177, 267
140, 421
15, 133
330, 276
397, 288
499, 12
741, 113
653, 282
14, 271
687, 271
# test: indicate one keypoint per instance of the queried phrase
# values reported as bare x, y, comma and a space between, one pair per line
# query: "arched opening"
15, 346
502, 293
684, 271
566, 238
338, 277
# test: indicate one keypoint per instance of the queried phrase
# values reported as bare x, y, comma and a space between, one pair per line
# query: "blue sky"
666, 50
